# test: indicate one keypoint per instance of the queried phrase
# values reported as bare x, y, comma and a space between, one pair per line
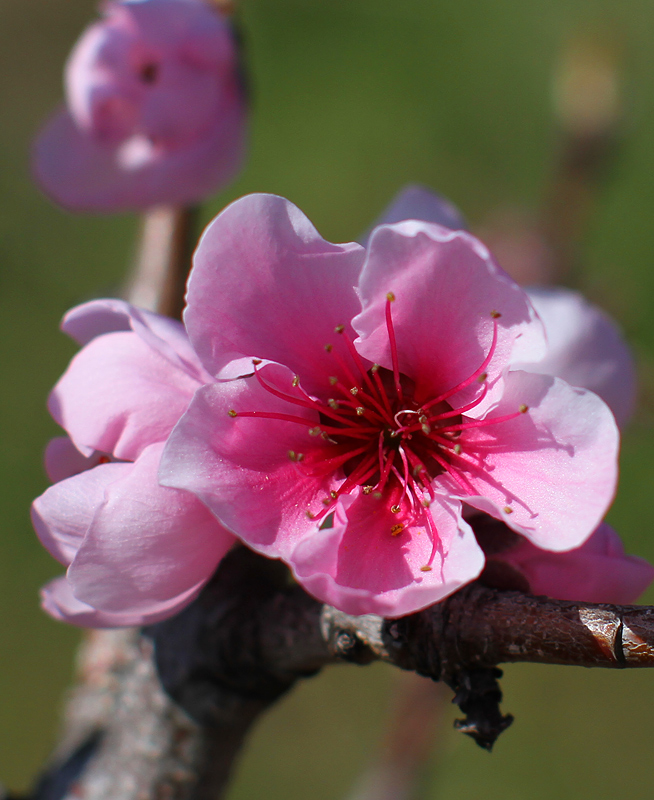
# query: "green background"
353, 98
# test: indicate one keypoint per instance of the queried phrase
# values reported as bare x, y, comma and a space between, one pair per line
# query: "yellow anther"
314, 431
339, 329
299, 457
354, 390
360, 411
232, 413
377, 495
457, 449
374, 368
329, 347
311, 515
508, 510
426, 429
495, 314
396, 530
296, 380
523, 409
326, 501
332, 404
390, 296
291, 455
333, 495
368, 489
333, 380
482, 377
426, 568
256, 361
395, 509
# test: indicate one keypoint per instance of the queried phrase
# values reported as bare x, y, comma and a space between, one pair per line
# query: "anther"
354, 391
333, 380
457, 449
329, 348
495, 314
417, 471
426, 429
310, 515
377, 495
426, 503
374, 368
508, 510
256, 361
291, 455
390, 297
360, 411
368, 489
296, 380
339, 329
396, 530
326, 501
482, 377
314, 431
332, 404
395, 509
232, 413
426, 568
333, 495
523, 409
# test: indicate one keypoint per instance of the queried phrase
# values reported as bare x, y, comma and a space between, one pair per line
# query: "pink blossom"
136, 552
586, 348
363, 396
155, 110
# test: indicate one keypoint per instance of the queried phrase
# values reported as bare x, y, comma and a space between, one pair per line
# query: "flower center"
381, 438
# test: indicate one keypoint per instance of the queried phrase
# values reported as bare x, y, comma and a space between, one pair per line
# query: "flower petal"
585, 348
119, 395
166, 336
63, 460
446, 288
63, 513
58, 600
240, 467
554, 467
597, 572
418, 202
361, 568
147, 545
298, 288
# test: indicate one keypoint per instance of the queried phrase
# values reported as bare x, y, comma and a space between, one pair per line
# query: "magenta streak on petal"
371, 441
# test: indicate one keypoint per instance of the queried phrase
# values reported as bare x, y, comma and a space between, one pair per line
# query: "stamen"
508, 510
396, 530
390, 297
426, 568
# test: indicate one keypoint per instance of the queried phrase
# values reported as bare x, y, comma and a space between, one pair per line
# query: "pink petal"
360, 568
585, 348
147, 545
417, 202
58, 600
81, 174
118, 395
554, 467
63, 513
298, 288
63, 460
240, 467
597, 572
167, 336
446, 287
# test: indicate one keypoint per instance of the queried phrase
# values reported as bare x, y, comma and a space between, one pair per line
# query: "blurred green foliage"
352, 98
